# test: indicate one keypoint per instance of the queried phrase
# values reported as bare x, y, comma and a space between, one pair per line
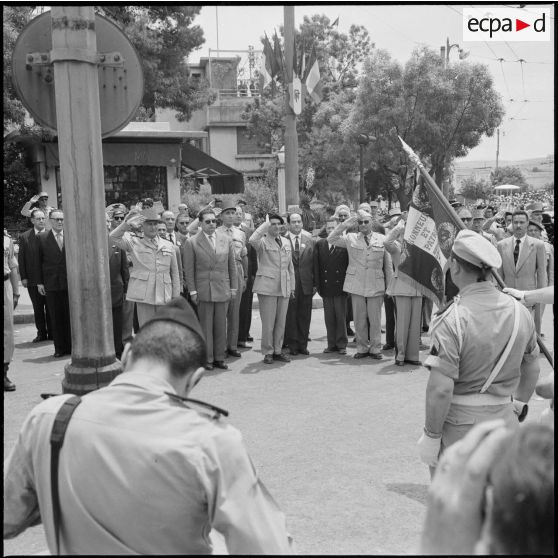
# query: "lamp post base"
84, 375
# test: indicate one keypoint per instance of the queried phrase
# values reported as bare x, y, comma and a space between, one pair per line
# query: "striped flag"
428, 239
313, 81
279, 68
266, 68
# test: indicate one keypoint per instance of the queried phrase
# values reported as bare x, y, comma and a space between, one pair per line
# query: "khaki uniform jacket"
211, 273
370, 268
530, 272
140, 473
240, 253
275, 275
154, 275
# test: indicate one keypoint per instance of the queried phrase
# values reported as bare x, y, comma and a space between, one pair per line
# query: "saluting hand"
350, 222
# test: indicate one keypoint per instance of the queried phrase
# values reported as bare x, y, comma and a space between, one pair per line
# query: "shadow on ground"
49, 358
417, 492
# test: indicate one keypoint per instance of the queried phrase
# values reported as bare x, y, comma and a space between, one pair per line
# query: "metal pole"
497, 146
291, 137
217, 24
74, 51
361, 190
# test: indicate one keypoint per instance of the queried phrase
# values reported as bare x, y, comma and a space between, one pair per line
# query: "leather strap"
56, 440
507, 350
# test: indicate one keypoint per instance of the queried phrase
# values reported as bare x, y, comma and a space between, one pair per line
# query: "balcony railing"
224, 113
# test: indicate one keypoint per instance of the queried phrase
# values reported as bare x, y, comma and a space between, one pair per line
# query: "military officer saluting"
483, 359
154, 277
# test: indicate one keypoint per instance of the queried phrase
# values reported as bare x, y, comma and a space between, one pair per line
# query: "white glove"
429, 449
520, 409
519, 295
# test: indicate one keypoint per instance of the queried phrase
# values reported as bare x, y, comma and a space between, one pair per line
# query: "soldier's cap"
535, 206
230, 207
538, 225
455, 203
474, 248
465, 213
151, 215
240, 202
394, 211
374, 203
365, 206
342, 208
478, 214
276, 216
179, 311
43, 195
363, 214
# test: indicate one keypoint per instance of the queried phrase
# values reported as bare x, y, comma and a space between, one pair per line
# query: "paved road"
333, 438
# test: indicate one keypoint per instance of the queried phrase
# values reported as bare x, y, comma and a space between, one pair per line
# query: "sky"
527, 88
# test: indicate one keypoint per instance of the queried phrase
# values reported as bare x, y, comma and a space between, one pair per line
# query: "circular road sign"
120, 87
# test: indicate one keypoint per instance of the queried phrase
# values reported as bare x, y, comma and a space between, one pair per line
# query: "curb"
29, 318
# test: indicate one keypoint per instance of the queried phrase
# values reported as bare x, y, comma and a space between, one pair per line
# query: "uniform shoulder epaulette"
205, 407
443, 310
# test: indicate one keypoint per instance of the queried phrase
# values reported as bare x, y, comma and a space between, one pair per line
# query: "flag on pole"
279, 61
313, 81
427, 243
266, 68
336, 22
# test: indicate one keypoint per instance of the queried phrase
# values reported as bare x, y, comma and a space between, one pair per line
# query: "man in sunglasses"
368, 274
211, 279
53, 282
39, 201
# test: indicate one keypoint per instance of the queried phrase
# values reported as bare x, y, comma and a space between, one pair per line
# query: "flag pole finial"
412, 155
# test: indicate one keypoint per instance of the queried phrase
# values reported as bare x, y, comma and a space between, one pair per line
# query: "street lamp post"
281, 181
445, 52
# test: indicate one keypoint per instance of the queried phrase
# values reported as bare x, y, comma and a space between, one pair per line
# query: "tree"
474, 189
440, 112
508, 175
164, 36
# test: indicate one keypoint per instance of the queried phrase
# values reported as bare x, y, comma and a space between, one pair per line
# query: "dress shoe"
50, 338
360, 355
304, 352
208, 366
249, 339
399, 363
293, 352
234, 353
425, 328
377, 356
268, 359
330, 350
342, 351
383, 330
243, 345
281, 357
8, 384
387, 347
59, 354
415, 362
220, 364
39, 338
350, 332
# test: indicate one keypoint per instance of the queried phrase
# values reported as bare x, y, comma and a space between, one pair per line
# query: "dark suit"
119, 276
52, 274
330, 268
299, 313
28, 262
245, 316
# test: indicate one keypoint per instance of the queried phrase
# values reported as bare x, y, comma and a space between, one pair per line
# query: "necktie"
171, 238
366, 240
60, 241
213, 241
278, 240
331, 249
516, 251
297, 245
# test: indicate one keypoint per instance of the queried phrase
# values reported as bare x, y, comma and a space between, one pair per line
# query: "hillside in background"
537, 172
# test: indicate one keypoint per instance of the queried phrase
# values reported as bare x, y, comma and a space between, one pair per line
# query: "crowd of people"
182, 291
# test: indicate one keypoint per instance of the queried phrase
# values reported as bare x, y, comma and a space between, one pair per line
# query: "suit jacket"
329, 268
211, 273
275, 275
28, 258
397, 286
303, 264
530, 272
52, 269
154, 276
119, 273
370, 268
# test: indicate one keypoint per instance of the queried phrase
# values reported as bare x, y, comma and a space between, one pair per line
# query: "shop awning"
223, 179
